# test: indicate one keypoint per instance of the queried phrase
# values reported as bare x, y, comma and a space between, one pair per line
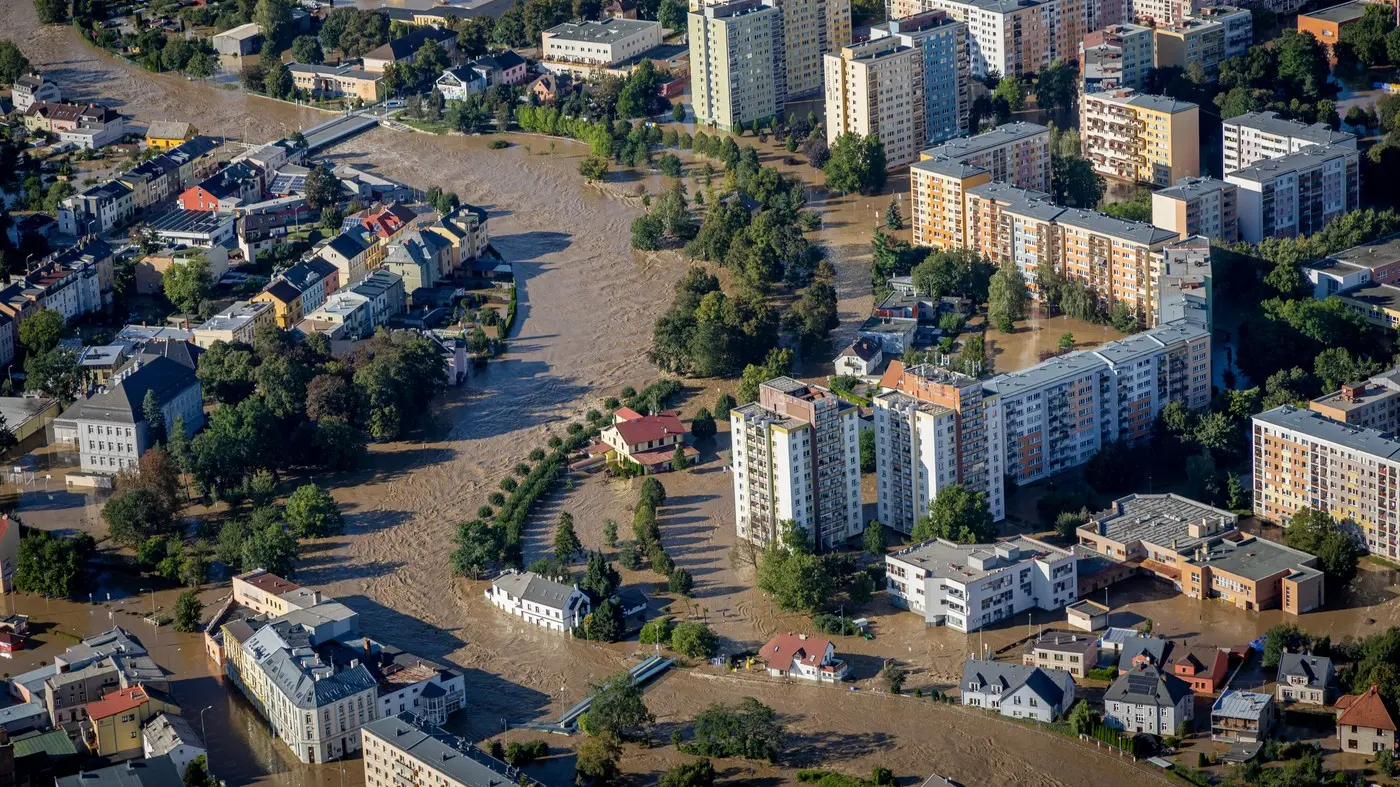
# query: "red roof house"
1365, 725
647, 440
800, 656
1203, 667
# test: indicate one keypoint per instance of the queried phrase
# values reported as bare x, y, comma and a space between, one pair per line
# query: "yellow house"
167, 134
114, 722
285, 300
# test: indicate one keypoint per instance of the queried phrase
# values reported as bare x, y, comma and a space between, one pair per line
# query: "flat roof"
1064, 367
1371, 442
189, 221
1385, 251
1340, 14
1384, 296
1130, 97
1022, 202
1254, 558
960, 562
1272, 123
951, 156
1308, 158
1191, 188
1158, 519
457, 758
603, 31
1141, 232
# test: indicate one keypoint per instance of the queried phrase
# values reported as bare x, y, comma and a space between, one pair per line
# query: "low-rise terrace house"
800, 656
286, 302
97, 210
1304, 678
384, 291
403, 49
345, 316
315, 279
237, 184
1364, 724
648, 441
1242, 717
501, 68
237, 323
169, 734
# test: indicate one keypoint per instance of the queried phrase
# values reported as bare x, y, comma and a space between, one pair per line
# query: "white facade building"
1016, 690
1297, 194
1149, 701
583, 47
1255, 136
968, 586
539, 601
796, 456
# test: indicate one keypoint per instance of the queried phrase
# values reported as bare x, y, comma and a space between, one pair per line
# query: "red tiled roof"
625, 414
271, 584
651, 427
117, 702
782, 650
1365, 710
662, 455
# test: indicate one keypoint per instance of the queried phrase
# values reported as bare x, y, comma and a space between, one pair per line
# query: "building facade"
1014, 690
796, 457
736, 62
1297, 194
1256, 136
874, 89
1141, 138
1199, 206
1118, 56
941, 42
1014, 37
582, 48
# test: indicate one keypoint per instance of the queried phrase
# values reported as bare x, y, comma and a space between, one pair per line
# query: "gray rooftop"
1059, 369
168, 730
951, 156
965, 563
902, 401
534, 588
1271, 123
1192, 188
605, 31
1022, 202
1383, 296
1310, 157
1148, 686
1234, 704
188, 221
459, 760
1370, 256
1371, 442
1255, 558
877, 324
1133, 231
1159, 519
1156, 103
1050, 685
155, 772
1064, 643
1317, 669
1153, 648
1346, 12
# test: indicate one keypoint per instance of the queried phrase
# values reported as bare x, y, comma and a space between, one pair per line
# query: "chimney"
368, 650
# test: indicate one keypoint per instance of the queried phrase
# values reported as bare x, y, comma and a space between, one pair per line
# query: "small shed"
1085, 615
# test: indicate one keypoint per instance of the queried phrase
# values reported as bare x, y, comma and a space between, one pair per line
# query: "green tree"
307, 49
1282, 638
155, 419
566, 543
867, 450
134, 515
1082, 719
477, 548
874, 539
618, 712
750, 730
856, 163
600, 579
43, 331
894, 220
596, 764
604, 623
679, 462
594, 168
274, 17
270, 547
958, 515
697, 773
655, 631
1316, 533
312, 513
189, 612
702, 426
694, 639
610, 533
54, 373
1007, 298
189, 283
861, 589
50, 566
323, 188
893, 675
13, 63
52, 12
1056, 87
680, 582
197, 773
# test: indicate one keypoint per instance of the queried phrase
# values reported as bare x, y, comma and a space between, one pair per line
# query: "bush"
522, 753
498, 144
695, 640
656, 631
834, 624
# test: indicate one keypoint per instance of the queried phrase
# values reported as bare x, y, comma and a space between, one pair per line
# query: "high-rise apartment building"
1140, 138
1199, 206
1303, 459
1160, 12
1059, 413
1255, 136
1297, 194
808, 30
1014, 37
736, 62
1118, 56
1016, 153
942, 45
1119, 259
1207, 38
931, 433
876, 88
796, 456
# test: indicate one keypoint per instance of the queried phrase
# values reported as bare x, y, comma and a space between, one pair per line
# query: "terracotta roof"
650, 427
626, 414
1365, 710
271, 583
1198, 659
662, 455
117, 702
782, 650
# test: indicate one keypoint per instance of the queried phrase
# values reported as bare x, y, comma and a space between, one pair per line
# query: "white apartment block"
1297, 194
931, 433
1160, 12
402, 751
1302, 459
1014, 37
1059, 413
582, 47
1256, 136
968, 586
796, 456
736, 62
876, 88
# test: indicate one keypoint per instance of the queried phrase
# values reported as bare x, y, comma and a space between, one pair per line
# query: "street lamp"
204, 732
153, 600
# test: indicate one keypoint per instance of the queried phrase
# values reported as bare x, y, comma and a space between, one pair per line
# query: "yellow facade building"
1140, 138
167, 134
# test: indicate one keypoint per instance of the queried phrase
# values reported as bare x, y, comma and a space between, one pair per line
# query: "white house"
456, 84
1148, 700
538, 600
32, 88
968, 586
800, 656
860, 358
169, 734
1017, 690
